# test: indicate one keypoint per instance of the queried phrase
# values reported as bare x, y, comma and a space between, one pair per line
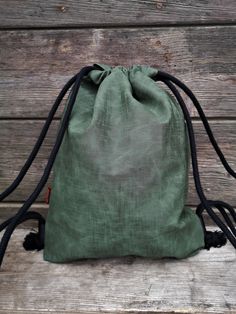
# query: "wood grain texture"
17, 139
204, 283
57, 13
34, 65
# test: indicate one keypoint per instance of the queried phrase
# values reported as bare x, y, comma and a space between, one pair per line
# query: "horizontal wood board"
204, 283
73, 13
35, 64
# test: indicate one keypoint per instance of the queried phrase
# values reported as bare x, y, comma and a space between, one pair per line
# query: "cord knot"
214, 239
35, 240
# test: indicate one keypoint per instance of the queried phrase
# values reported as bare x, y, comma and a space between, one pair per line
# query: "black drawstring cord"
22, 211
211, 239
29, 215
36, 147
39, 141
33, 241
221, 208
167, 76
32, 156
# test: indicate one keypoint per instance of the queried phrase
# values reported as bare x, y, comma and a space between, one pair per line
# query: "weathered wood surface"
34, 65
55, 13
17, 139
205, 283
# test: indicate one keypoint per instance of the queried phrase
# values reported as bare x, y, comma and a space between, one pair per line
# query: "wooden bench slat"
204, 283
34, 65
18, 137
56, 13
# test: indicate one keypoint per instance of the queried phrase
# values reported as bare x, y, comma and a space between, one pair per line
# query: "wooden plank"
17, 139
204, 283
57, 13
34, 65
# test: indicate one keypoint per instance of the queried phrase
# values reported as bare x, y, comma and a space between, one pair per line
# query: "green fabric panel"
121, 175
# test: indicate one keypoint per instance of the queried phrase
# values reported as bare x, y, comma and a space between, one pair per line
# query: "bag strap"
212, 239
37, 241
39, 141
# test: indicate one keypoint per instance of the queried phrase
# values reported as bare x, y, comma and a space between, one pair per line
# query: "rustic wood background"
43, 43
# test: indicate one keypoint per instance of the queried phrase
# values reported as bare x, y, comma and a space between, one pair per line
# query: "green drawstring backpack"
120, 178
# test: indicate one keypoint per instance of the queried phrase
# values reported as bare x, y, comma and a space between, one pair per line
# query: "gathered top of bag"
102, 71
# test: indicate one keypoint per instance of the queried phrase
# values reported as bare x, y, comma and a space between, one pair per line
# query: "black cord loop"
39, 141
12, 223
228, 229
166, 76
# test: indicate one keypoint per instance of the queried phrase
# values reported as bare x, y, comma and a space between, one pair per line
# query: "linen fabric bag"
120, 177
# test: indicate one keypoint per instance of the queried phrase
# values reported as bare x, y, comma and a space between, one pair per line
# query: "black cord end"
33, 241
214, 239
